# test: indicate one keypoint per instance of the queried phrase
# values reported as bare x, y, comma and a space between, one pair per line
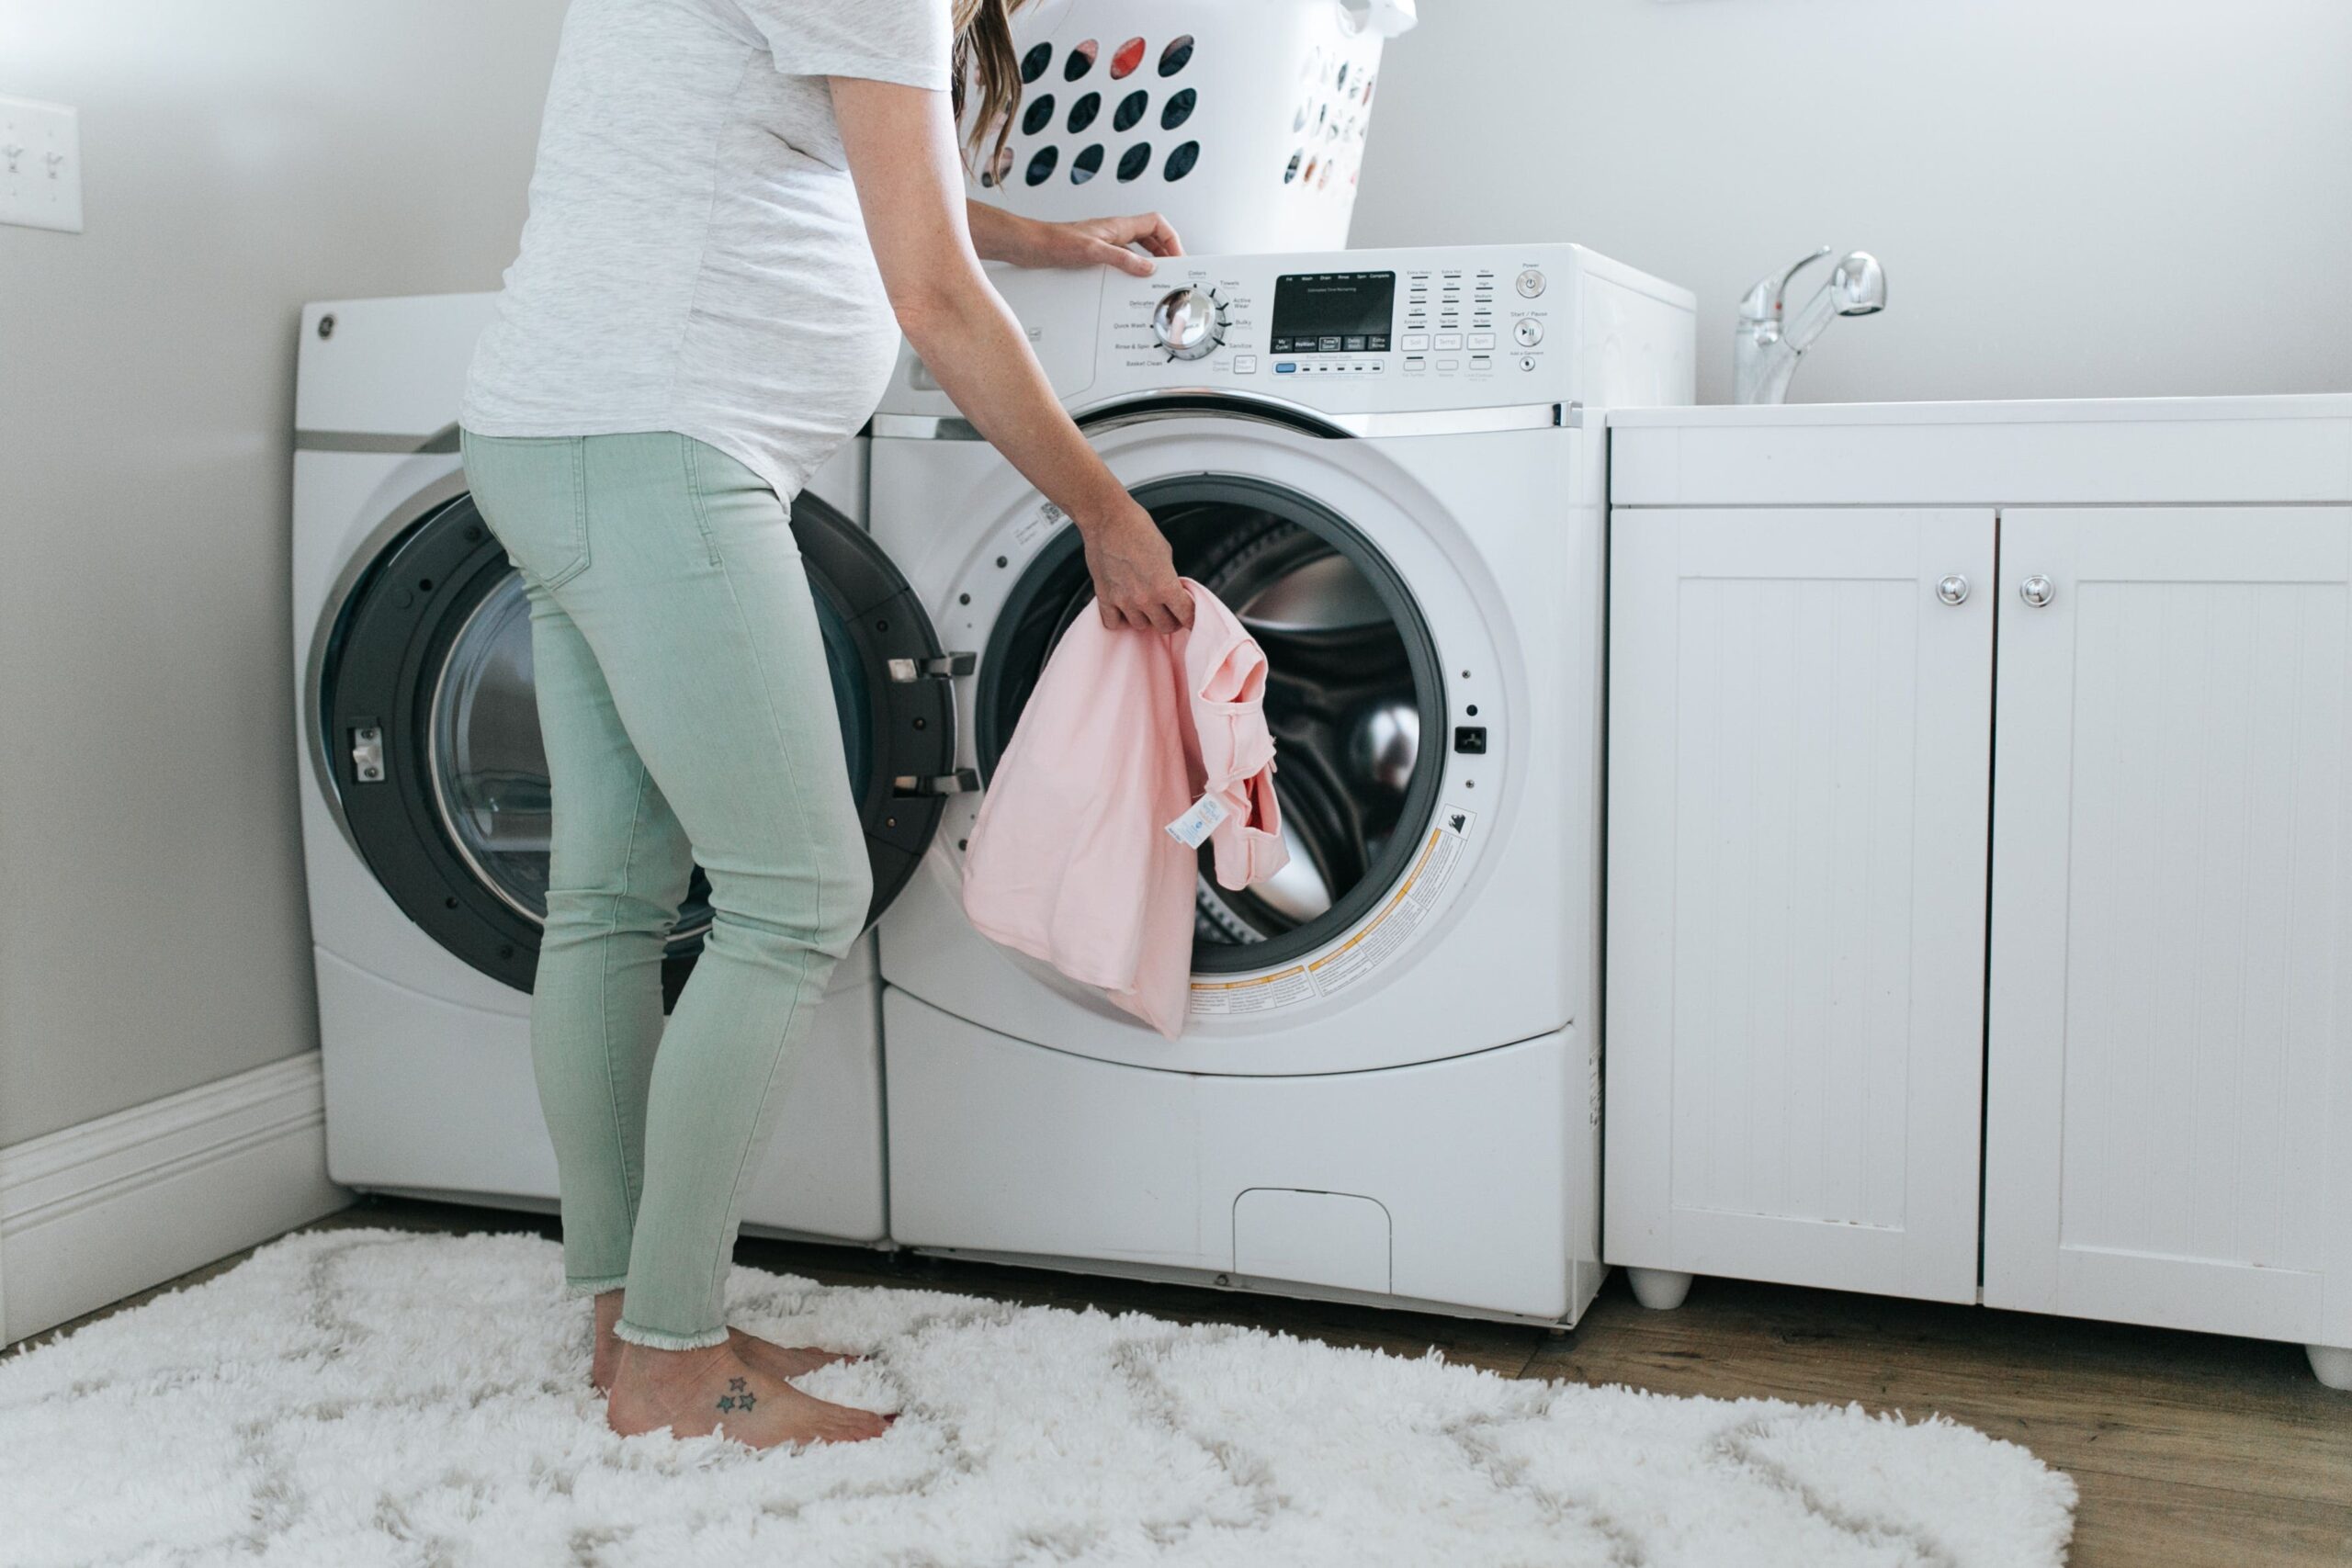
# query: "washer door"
428, 724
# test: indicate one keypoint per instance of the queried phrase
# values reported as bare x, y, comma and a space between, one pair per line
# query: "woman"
738, 207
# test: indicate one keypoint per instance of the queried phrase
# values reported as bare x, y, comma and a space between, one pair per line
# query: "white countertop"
1993, 411
2063, 451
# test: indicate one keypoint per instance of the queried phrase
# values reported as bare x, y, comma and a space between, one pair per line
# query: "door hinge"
963, 781
940, 667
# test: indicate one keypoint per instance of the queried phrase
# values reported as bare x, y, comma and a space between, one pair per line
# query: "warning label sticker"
1257, 994
1389, 929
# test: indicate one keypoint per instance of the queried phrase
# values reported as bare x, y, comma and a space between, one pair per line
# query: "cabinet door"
2169, 1123
1800, 734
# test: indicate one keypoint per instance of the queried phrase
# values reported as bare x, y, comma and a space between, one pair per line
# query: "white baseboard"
93, 1213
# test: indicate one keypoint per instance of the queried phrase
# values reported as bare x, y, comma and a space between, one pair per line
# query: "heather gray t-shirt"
695, 259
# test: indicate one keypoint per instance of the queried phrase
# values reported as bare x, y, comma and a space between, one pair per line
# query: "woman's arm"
999, 235
901, 147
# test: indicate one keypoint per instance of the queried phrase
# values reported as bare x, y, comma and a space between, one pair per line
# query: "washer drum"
1243, 121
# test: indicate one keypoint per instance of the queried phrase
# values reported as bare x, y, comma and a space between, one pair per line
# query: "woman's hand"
999, 235
1135, 573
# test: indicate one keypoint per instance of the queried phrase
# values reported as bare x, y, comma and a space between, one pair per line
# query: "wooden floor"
2189, 1449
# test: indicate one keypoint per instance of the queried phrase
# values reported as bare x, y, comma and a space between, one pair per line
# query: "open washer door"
426, 725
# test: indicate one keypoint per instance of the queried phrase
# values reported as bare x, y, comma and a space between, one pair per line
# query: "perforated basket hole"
1329, 121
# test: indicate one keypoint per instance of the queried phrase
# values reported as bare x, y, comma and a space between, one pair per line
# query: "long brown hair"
984, 53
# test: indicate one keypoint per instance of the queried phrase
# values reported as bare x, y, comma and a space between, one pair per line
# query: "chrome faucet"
1765, 350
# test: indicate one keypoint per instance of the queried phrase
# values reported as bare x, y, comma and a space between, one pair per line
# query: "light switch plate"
40, 164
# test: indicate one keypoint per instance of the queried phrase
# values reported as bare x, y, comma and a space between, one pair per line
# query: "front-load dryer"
1390, 464
424, 798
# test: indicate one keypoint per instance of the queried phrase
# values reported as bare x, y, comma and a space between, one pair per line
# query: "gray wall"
242, 156
2072, 198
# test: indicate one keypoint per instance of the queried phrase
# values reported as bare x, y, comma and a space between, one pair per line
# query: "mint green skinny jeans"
688, 715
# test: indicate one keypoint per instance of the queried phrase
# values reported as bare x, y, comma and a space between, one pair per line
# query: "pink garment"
1072, 860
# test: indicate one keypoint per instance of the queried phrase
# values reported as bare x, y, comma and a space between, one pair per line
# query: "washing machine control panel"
1457, 327
1434, 330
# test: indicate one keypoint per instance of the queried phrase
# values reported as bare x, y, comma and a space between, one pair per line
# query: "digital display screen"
1333, 312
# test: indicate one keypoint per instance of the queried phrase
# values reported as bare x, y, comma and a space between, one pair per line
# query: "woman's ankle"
652, 1362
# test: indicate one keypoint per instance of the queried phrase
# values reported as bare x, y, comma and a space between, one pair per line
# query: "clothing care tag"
1197, 823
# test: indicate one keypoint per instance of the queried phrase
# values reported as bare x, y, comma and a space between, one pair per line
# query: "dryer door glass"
428, 718
489, 773
488, 769
1352, 685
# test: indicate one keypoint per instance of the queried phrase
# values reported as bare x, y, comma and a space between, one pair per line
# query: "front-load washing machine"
424, 798
1390, 464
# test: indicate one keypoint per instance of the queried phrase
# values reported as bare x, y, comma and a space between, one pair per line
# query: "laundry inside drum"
1350, 678
1341, 702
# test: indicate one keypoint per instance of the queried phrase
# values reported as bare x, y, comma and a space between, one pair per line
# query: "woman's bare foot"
784, 1361
695, 1393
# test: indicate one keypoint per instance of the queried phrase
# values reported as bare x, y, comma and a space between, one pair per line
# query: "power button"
1531, 283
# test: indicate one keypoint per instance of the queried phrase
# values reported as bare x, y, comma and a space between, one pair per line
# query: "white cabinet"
1800, 740
2169, 1126
2062, 872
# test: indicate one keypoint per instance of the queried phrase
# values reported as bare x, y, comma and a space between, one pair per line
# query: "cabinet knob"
2037, 591
1952, 590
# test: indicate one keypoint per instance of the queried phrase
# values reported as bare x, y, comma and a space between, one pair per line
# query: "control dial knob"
1188, 323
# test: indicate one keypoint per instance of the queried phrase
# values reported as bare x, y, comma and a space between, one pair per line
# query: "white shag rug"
377, 1396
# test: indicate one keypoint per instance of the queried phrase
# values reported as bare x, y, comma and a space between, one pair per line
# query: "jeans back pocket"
532, 491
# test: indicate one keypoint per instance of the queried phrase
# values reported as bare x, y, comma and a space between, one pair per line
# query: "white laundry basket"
1242, 120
